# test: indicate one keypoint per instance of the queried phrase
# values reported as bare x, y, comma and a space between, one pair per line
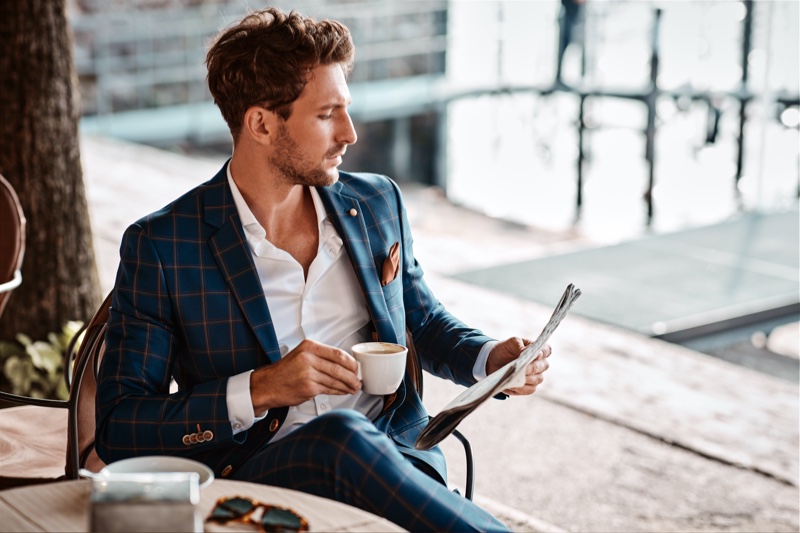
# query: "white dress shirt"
328, 307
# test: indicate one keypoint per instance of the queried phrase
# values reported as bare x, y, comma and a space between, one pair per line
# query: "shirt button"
274, 425
237, 425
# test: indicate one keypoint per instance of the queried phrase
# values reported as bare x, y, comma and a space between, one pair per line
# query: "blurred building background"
142, 74
667, 96
666, 132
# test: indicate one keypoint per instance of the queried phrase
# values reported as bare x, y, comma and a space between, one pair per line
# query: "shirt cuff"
479, 370
240, 404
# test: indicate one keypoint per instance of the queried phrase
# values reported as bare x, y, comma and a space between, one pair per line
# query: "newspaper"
509, 376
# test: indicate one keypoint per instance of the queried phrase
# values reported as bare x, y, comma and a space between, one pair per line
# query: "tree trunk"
39, 156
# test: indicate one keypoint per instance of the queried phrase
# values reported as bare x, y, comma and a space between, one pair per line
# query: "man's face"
309, 146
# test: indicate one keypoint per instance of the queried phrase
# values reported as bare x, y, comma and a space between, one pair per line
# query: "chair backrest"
12, 241
413, 366
81, 425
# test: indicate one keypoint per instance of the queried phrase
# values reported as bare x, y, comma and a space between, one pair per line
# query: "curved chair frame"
414, 369
84, 353
12, 241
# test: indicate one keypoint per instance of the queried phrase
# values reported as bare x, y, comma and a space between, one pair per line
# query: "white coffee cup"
381, 366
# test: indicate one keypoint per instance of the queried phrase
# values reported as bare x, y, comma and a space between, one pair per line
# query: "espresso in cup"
381, 366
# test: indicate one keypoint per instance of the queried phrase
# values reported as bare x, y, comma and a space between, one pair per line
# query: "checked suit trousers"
342, 456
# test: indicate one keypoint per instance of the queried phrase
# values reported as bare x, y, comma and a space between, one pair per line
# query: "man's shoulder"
188, 207
366, 183
185, 205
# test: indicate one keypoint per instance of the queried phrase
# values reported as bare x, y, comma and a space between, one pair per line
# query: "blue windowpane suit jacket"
188, 304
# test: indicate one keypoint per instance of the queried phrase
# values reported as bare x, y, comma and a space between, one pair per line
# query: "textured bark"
39, 156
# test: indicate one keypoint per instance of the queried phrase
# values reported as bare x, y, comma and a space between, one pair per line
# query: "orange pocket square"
391, 267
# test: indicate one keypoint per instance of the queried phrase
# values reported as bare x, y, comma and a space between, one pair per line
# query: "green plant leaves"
36, 368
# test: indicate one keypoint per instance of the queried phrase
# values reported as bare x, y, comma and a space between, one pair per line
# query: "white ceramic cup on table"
382, 366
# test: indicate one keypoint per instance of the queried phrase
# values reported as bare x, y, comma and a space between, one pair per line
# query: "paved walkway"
627, 433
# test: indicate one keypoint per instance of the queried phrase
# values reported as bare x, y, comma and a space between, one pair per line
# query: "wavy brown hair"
265, 59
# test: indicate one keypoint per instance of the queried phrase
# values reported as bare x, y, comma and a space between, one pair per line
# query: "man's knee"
347, 449
348, 426
354, 432
346, 419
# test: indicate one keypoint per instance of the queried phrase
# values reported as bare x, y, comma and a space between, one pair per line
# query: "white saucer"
160, 463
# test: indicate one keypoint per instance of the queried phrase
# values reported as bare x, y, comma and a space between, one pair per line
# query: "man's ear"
260, 124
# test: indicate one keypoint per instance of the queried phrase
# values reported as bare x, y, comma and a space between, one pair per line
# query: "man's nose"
347, 132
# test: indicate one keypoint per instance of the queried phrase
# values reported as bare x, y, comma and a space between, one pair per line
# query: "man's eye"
324, 117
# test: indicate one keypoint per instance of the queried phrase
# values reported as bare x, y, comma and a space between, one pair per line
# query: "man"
250, 289
570, 16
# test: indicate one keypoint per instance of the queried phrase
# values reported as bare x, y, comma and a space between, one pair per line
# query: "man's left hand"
507, 351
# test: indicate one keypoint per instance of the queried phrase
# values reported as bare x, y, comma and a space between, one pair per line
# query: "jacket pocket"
392, 290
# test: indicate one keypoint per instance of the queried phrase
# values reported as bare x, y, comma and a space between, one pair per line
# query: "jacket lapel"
229, 248
354, 233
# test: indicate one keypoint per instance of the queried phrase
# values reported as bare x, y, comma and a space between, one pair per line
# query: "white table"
64, 506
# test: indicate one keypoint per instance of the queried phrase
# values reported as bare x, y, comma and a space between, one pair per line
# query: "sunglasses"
273, 519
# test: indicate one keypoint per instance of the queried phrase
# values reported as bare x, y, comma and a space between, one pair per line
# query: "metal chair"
12, 241
82, 365
414, 369
81, 362
81, 429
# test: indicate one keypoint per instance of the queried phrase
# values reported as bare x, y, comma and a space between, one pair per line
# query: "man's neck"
285, 211
270, 198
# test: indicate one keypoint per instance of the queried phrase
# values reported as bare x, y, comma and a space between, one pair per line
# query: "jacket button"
208, 435
353, 212
186, 440
274, 425
226, 471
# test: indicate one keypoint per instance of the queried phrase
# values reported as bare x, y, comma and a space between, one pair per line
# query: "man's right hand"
308, 370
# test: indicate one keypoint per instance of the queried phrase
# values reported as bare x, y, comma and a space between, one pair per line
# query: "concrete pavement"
628, 433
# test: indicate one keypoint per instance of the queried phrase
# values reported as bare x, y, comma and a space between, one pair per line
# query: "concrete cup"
381, 366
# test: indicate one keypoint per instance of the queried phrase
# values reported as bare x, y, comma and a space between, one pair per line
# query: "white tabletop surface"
64, 506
